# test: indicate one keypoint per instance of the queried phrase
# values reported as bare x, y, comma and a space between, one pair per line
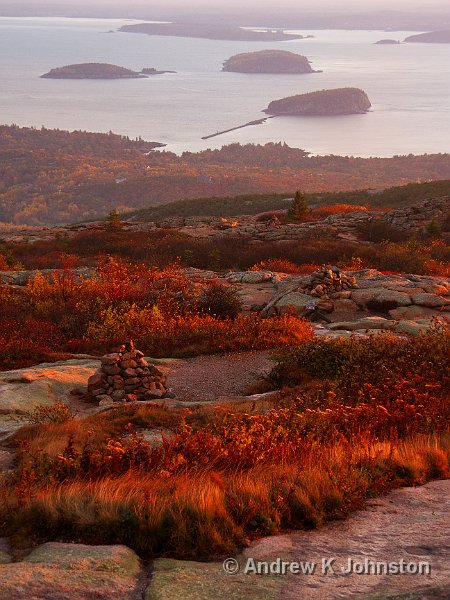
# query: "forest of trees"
253, 204
52, 176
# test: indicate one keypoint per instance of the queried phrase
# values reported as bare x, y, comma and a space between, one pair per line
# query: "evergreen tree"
299, 206
434, 230
114, 222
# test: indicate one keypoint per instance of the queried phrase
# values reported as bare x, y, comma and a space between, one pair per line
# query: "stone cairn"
327, 281
125, 376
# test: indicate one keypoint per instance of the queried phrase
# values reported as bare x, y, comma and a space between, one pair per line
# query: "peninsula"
210, 32
92, 71
432, 37
341, 101
268, 61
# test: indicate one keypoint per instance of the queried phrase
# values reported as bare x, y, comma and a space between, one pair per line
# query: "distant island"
99, 71
210, 32
268, 61
341, 101
153, 71
386, 42
432, 37
92, 71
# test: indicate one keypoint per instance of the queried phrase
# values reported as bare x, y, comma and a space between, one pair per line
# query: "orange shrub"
278, 265
162, 310
337, 209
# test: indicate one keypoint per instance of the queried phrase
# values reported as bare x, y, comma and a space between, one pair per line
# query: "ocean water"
408, 85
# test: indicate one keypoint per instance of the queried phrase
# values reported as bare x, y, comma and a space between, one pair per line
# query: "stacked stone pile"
325, 282
401, 296
125, 376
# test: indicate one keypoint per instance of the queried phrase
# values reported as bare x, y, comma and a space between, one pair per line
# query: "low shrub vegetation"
163, 248
352, 419
162, 310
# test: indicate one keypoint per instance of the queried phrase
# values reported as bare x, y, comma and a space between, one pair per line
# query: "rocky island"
432, 37
387, 42
92, 71
153, 71
100, 71
210, 32
341, 101
268, 61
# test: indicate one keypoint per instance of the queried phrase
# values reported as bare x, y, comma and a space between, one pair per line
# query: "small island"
268, 61
387, 42
210, 32
92, 71
153, 71
100, 71
341, 101
432, 37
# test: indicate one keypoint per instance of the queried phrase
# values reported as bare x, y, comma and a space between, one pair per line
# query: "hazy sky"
354, 5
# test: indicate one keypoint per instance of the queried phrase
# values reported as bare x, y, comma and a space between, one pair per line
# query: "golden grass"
205, 513
376, 416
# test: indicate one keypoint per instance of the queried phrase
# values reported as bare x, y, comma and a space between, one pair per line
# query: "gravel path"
204, 378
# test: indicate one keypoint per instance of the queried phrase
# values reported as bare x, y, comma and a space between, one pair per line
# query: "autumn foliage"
52, 176
161, 309
353, 418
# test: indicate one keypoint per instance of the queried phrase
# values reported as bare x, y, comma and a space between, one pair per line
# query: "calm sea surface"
408, 84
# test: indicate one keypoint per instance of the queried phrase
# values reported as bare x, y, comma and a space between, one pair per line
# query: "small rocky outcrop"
268, 61
153, 71
23, 278
92, 71
417, 217
341, 101
55, 571
401, 296
26, 390
125, 376
387, 42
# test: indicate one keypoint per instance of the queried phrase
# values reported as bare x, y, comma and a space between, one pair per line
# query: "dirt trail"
206, 378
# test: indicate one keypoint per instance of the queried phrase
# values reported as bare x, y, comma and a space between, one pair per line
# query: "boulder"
250, 277
295, 300
173, 579
380, 298
430, 300
363, 324
375, 323
345, 305
389, 298
105, 400
436, 288
413, 312
95, 382
58, 571
24, 390
21, 399
411, 327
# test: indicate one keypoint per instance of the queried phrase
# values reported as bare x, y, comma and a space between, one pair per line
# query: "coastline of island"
100, 71
210, 32
269, 62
